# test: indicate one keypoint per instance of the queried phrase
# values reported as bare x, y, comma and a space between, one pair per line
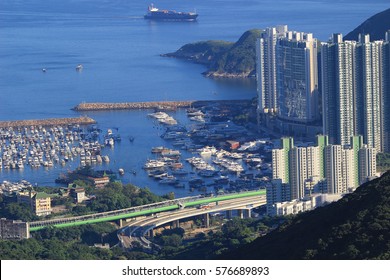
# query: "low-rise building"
297, 206
99, 182
10, 229
39, 202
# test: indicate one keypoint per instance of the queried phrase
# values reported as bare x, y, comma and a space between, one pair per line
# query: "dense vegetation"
240, 59
58, 244
355, 227
204, 52
382, 162
17, 211
376, 26
224, 58
233, 234
116, 196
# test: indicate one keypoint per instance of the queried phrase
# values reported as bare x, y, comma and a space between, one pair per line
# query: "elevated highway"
137, 228
139, 211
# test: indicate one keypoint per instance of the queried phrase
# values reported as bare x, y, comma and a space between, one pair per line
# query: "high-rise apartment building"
367, 164
337, 89
287, 75
280, 160
355, 90
333, 169
386, 94
266, 58
304, 169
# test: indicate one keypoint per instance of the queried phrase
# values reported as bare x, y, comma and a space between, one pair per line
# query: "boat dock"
159, 105
47, 122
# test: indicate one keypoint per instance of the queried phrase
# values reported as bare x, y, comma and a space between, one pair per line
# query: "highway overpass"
144, 210
137, 228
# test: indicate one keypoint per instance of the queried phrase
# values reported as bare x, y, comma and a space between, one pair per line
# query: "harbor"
39, 146
197, 149
208, 156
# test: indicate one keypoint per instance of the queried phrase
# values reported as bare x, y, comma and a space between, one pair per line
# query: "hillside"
223, 59
355, 227
204, 52
376, 26
237, 60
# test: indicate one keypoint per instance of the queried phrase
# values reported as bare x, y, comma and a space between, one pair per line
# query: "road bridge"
137, 228
144, 210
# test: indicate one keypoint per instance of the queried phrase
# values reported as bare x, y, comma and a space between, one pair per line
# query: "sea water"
120, 53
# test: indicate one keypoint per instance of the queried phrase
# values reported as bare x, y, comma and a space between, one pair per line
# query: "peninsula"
223, 59
238, 60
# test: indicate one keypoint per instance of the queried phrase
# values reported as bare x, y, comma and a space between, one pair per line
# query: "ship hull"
171, 17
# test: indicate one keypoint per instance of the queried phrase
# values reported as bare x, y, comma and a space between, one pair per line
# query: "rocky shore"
47, 122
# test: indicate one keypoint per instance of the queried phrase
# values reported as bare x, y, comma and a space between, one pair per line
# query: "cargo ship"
156, 14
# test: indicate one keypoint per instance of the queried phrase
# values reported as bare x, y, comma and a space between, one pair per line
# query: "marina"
39, 146
183, 157
120, 82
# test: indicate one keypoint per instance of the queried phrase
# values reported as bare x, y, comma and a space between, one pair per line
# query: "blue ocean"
120, 53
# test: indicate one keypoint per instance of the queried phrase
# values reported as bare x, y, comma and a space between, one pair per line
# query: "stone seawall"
150, 105
47, 122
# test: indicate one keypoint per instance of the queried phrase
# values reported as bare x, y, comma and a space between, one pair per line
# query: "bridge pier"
206, 218
175, 224
120, 223
151, 233
248, 213
229, 214
240, 214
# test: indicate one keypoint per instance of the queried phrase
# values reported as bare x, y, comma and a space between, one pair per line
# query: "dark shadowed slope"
355, 227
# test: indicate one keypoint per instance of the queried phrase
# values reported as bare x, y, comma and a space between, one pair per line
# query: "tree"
18, 211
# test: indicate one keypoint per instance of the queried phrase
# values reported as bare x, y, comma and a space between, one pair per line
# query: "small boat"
79, 67
121, 171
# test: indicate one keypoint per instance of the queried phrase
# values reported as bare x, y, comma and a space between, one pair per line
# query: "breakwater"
172, 105
47, 122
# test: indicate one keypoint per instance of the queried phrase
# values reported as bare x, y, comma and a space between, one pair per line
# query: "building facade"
321, 168
266, 68
39, 202
10, 229
355, 90
287, 75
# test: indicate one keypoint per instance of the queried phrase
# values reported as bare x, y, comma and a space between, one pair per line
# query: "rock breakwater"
47, 122
157, 105
133, 105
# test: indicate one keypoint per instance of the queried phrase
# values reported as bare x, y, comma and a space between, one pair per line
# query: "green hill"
355, 227
240, 59
224, 59
227, 59
376, 26
204, 52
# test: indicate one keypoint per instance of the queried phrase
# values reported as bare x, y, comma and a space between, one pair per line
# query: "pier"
159, 105
47, 122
